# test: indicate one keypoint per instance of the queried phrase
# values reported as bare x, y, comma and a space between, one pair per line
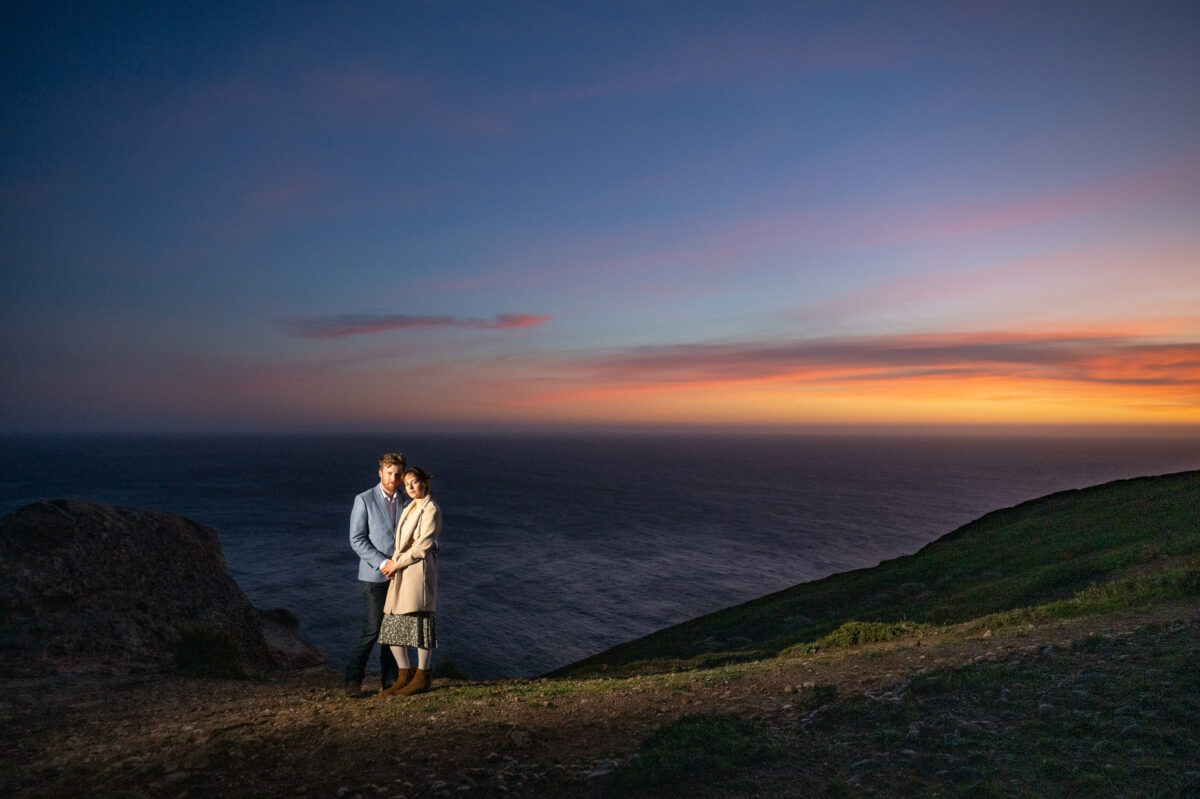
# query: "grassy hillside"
1120, 544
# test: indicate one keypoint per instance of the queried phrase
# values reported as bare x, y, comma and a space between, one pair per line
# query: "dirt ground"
298, 734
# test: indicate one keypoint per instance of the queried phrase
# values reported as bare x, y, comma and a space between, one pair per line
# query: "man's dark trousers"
374, 595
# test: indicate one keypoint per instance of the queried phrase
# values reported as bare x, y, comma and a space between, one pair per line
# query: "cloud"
363, 96
288, 190
756, 51
939, 222
1078, 358
343, 325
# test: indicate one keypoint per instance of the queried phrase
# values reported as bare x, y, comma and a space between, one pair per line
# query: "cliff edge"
86, 587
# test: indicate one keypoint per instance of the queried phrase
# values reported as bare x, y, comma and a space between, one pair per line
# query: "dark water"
557, 547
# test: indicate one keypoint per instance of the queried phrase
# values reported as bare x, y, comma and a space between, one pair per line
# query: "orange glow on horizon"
832, 397
1068, 377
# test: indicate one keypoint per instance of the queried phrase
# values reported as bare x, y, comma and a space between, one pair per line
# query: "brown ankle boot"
401, 680
419, 684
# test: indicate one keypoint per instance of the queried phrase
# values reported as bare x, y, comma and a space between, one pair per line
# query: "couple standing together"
397, 573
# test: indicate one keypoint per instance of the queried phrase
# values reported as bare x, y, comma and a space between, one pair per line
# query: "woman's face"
413, 487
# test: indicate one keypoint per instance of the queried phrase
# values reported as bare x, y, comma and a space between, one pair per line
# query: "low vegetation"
853, 633
696, 750
205, 651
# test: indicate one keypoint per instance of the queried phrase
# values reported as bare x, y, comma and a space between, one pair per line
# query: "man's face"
389, 478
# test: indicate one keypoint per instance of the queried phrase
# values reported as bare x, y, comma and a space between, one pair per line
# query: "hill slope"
1127, 536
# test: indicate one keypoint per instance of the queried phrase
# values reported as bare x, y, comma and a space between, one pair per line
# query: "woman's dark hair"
422, 476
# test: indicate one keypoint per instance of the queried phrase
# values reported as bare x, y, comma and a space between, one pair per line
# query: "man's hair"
392, 459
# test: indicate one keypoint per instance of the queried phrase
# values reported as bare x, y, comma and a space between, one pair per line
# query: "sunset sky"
460, 215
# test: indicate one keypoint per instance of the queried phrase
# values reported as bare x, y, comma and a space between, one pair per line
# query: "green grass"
1113, 711
699, 748
1129, 593
853, 633
1123, 544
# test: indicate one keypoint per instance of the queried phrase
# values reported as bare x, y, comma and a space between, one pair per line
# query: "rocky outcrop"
89, 587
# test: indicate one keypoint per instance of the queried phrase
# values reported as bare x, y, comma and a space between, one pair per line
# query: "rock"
289, 651
519, 738
89, 587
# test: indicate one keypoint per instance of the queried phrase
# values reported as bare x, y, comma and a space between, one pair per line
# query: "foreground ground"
1075, 707
1051, 649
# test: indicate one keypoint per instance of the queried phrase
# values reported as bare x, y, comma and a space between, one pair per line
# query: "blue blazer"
372, 535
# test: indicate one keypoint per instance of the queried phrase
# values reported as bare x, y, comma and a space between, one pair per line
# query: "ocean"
556, 547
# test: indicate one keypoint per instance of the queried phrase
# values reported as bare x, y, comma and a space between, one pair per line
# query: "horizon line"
1113, 430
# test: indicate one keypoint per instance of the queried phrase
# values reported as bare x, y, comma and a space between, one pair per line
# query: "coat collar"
418, 505
382, 497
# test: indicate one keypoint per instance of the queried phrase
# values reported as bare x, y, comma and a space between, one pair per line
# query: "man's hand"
388, 568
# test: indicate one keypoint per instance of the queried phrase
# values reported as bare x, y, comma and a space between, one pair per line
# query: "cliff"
86, 587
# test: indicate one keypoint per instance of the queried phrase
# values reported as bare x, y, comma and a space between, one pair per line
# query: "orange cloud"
1062, 356
1064, 377
979, 378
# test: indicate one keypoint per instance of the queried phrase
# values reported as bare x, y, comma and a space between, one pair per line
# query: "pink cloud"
289, 190
358, 86
885, 226
344, 325
1153, 285
937, 222
733, 245
735, 55
373, 94
1081, 357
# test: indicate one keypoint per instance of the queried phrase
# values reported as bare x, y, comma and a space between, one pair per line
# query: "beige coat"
414, 588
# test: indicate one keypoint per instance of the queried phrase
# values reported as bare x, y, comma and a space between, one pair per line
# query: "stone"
86, 587
289, 651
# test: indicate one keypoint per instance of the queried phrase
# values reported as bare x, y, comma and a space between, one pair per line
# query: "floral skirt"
408, 629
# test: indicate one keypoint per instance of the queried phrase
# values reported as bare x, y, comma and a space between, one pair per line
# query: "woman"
412, 595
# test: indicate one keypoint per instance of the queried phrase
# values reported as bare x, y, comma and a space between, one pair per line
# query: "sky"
368, 216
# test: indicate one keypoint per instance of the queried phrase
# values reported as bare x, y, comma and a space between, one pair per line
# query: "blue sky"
366, 215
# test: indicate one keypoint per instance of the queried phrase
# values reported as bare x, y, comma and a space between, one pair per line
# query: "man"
373, 536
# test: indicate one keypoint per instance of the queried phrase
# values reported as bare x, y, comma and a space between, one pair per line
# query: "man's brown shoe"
354, 688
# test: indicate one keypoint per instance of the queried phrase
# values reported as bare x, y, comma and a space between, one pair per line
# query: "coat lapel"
408, 525
380, 505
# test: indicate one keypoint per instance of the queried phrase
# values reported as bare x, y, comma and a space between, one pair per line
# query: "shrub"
447, 670
205, 651
696, 748
853, 633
